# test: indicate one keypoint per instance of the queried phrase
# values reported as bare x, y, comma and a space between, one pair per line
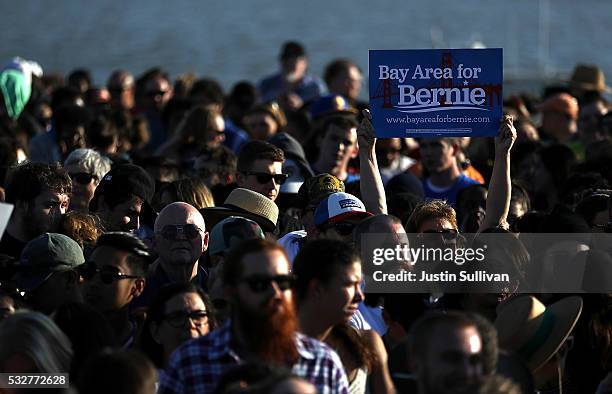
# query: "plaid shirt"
197, 366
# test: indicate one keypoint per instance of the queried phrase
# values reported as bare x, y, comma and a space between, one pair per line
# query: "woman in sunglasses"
178, 313
86, 168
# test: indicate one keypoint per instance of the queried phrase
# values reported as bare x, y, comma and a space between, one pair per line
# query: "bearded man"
262, 329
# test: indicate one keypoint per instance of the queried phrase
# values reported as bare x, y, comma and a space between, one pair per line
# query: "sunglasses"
264, 177
343, 229
171, 231
259, 284
108, 273
448, 234
82, 177
179, 319
156, 93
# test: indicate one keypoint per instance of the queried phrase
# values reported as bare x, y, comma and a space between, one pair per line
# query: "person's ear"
138, 287
315, 289
22, 206
72, 279
205, 242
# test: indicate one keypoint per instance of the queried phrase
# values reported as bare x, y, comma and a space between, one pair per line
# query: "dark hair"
232, 267
422, 331
8, 157
222, 156
101, 132
120, 372
292, 49
139, 254
209, 88
26, 181
258, 150
155, 314
335, 68
78, 75
70, 116
88, 331
309, 265
62, 96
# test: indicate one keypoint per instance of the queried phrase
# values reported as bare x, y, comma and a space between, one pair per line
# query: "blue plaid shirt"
197, 366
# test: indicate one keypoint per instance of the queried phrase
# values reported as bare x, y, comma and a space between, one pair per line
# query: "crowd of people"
168, 236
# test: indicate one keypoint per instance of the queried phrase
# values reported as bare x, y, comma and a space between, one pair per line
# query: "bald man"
180, 240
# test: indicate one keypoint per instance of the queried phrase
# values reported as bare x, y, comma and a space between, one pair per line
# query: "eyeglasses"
108, 273
448, 234
83, 178
156, 93
259, 284
178, 319
342, 228
171, 231
264, 177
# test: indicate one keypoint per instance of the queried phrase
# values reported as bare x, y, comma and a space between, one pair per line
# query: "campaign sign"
436, 92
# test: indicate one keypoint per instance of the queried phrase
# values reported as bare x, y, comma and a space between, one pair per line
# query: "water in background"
233, 40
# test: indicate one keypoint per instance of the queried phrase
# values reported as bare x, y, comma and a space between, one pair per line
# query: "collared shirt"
197, 366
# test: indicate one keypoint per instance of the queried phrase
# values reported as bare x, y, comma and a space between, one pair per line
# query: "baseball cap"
315, 189
127, 178
338, 207
45, 255
232, 231
331, 104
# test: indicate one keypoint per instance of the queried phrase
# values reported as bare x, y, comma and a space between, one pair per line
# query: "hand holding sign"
506, 136
366, 136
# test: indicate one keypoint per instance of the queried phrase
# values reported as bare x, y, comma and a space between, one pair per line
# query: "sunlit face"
124, 216
265, 264
269, 189
337, 148
215, 135
107, 297
44, 214
261, 126
437, 155
342, 294
177, 327
453, 360
347, 83
83, 186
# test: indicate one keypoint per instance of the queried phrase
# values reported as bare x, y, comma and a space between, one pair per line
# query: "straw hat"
589, 77
245, 203
533, 331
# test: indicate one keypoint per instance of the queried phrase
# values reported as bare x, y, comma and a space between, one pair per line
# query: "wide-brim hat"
533, 331
590, 78
245, 203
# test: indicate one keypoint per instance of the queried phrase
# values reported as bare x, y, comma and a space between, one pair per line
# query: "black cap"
127, 178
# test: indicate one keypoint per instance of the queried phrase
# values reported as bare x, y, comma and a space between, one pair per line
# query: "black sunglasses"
264, 177
171, 231
108, 273
342, 228
179, 319
82, 177
259, 284
448, 234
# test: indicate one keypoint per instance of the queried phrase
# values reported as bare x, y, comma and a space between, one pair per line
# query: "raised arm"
500, 189
371, 185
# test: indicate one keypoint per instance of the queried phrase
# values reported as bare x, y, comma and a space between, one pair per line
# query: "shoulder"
465, 180
293, 236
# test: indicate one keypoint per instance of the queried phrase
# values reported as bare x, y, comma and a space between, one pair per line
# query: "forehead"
452, 338
107, 255
344, 132
183, 301
271, 262
264, 165
435, 224
179, 216
49, 195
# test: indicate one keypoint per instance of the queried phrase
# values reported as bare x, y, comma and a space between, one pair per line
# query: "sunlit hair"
434, 209
91, 161
84, 228
193, 191
37, 337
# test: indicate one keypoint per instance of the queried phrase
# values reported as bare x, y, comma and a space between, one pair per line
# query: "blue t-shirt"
448, 194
